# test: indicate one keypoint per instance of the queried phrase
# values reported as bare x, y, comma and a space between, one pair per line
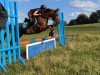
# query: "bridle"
54, 18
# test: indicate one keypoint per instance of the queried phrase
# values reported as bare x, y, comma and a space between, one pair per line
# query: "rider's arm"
36, 13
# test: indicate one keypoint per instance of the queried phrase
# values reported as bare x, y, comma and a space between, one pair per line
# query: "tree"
98, 11
65, 23
72, 22
82, 19
94, 17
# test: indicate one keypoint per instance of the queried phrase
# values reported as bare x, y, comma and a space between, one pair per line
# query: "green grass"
80, 57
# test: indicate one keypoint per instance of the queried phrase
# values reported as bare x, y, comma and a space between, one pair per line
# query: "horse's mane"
49, 10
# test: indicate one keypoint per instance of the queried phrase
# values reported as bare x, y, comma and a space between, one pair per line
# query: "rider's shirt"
33, 10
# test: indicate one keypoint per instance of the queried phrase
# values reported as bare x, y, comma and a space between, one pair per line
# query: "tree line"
84, 19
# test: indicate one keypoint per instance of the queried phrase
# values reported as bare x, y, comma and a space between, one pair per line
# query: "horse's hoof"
51, 34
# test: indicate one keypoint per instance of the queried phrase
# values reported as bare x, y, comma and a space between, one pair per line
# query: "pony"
42, 23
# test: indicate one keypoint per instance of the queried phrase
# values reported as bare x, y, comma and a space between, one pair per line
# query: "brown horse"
42, 22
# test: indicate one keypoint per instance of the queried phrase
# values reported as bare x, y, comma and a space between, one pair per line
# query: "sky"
70, 8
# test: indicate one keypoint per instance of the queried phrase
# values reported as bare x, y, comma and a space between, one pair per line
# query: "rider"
34, 13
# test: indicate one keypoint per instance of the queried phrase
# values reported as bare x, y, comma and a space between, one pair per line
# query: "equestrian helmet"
43, 7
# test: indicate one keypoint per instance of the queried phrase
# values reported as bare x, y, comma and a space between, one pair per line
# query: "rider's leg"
32, 19
30, 16
33, 22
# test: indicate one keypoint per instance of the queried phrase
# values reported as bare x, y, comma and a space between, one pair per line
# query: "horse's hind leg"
30, 30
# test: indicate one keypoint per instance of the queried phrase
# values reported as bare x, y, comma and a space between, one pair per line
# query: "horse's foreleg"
51, 30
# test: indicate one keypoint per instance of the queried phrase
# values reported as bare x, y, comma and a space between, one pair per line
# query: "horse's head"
52, 14
55, 16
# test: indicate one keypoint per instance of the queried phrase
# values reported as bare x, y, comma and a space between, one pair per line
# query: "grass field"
80, 57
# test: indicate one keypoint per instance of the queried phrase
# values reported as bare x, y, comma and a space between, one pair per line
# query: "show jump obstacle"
33, 49
11, 52
10, 47
61, 34
61, 31
39, 45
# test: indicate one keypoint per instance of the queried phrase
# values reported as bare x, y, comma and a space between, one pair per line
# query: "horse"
42, 23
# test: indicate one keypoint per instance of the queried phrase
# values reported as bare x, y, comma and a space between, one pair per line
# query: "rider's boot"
33, 22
